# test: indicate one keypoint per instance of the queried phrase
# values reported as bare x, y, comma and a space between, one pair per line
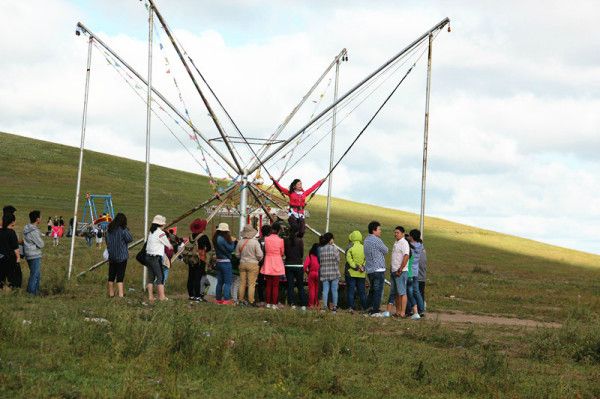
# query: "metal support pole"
81, 145
243, 202
332, 150
158, 94
148, 120
293, 137
425, 138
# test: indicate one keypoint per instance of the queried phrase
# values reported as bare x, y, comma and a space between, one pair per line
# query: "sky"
514, 123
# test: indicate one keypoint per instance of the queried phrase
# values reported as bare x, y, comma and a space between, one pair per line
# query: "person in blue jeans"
375, 251
414, 238
224, 246
356, 275
32, 246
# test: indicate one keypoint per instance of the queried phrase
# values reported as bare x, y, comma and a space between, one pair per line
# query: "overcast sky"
514, 130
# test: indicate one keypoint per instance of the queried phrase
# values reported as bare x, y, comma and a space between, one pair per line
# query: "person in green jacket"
355, 258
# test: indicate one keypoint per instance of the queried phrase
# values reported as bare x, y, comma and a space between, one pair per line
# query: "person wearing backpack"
195, 253
250, 253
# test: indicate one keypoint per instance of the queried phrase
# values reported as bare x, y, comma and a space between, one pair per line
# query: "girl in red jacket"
311, 268
297, 201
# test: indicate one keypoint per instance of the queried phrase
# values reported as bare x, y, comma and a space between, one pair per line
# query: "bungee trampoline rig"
238, 157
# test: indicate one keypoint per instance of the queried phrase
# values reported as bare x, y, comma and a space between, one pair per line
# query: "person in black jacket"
294, 272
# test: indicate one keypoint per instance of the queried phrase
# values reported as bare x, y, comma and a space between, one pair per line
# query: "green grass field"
174, 349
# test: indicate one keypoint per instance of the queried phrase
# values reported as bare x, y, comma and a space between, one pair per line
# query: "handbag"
141, 256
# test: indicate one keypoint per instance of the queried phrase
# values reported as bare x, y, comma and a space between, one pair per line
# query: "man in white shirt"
399, 273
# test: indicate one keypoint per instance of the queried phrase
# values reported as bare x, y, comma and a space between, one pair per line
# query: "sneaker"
386, 314
294, 307
191, 298
268, 306
415, 316
303, 308
334, 310
377, 314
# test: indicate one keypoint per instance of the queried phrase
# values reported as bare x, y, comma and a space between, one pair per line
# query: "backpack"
190, 252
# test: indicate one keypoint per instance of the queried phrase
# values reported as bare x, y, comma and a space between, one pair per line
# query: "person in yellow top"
355, 257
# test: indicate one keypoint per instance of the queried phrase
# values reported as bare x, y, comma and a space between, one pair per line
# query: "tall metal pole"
425, 138
243, 202
81, 145
148, 120
332, 150
204, 100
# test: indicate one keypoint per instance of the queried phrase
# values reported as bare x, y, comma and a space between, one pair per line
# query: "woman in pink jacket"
273, 267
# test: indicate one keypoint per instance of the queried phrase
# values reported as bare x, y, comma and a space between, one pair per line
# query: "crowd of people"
274, 257
251, 270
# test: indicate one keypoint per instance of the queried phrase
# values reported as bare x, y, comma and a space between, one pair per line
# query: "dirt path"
460, 317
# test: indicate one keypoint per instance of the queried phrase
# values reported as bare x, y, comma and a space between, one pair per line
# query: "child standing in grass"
55, 233
329, 259
311, 268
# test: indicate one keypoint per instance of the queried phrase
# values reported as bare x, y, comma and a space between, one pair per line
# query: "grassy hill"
47, 348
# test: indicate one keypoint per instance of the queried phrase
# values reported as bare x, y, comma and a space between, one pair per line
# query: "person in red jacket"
311, 268
297, 202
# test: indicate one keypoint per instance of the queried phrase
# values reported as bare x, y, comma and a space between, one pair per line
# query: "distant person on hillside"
155, 250
375, 251
355, 259
50, 223
261, 282
329, 259
415, 239
33, 243
9, 251
55, 233
399, 273
118, 238
311, 268
294, 274
297, 203
70, 231
273, 267
411, 307
250, 253
99, 235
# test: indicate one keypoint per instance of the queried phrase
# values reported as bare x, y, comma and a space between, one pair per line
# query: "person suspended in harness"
297, 202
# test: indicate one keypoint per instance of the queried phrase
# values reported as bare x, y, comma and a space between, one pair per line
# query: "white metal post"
425, 138
81, 146
243, 202
332, 149
148, 120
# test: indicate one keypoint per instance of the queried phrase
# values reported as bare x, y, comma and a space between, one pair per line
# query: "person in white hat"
224, 245
250, 253
155, 249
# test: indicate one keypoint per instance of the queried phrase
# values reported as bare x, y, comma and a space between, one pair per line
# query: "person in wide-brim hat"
198, 226
159, 220
223, 227
249, 232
